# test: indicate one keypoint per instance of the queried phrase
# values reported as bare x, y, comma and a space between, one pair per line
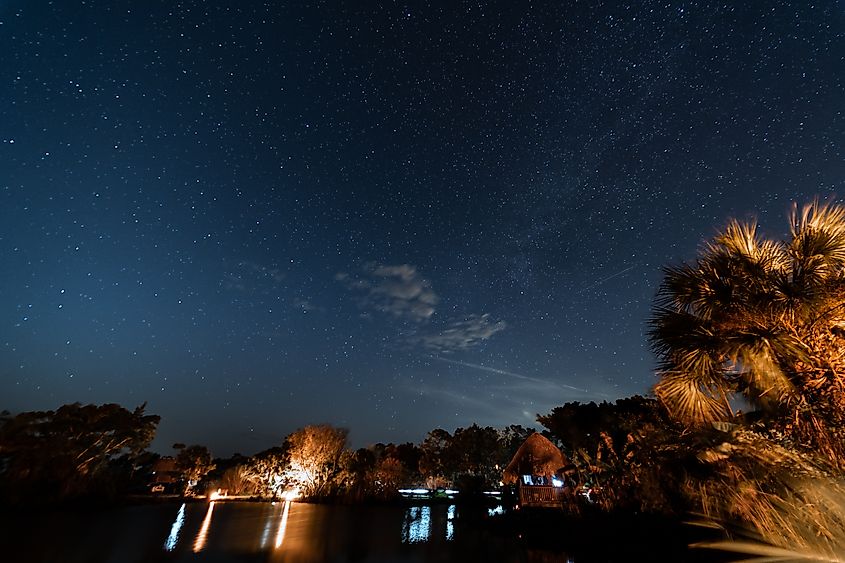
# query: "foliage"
238, 480
763, 319
479, 453
194, 463
579, 426
775, 502
314, 454
265, 471
434, 458
475, 451
628, 453
355, 475
66, 452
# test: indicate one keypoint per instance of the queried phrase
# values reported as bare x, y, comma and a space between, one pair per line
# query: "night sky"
387, 216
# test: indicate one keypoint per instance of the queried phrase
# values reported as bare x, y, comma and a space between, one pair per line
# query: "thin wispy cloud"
398, 290
402, 292
534, 382
463, 334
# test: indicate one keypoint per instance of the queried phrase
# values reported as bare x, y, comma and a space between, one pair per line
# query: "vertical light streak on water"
268, 525
450, 523
280, 534
173, 538
202, 535
417, 526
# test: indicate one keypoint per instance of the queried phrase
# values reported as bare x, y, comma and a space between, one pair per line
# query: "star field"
391, 216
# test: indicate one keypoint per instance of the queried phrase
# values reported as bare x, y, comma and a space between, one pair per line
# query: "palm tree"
763, 319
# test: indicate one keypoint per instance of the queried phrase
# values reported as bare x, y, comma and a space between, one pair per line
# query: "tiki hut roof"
536, 456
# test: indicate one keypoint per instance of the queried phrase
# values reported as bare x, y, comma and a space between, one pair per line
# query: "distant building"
534, 472
165, 476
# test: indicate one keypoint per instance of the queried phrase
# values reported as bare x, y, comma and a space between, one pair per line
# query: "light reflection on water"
268, 526
202, 535
231, 532
283, 525
173, 538
450, 523
417, 526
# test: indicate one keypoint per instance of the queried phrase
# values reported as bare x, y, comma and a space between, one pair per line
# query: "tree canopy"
63, 452
763, 319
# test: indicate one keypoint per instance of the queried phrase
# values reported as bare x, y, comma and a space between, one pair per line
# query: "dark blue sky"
388, 216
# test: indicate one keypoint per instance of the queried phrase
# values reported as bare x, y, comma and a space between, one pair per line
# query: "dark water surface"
226, 531
287, 532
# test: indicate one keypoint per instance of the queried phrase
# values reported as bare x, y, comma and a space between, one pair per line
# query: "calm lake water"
285, 532
224, 532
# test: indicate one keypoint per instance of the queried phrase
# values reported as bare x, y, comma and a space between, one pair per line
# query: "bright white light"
173, 538
496, 511
291, 494
413, 491
557, 482
451, 492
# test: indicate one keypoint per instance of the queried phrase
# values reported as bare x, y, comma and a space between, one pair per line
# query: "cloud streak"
526, 378
462, 335
398, 290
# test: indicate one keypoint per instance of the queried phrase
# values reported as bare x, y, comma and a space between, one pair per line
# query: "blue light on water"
417, 526
173, 538
450, 523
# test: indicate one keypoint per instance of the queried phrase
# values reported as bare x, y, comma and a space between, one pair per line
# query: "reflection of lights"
450, 523
280, 534
417, 526
498, 511
265, 535
202, 535
173, 538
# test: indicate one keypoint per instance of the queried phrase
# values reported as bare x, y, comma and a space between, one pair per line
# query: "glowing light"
202, 535
414, 491
215, 495
417, 526
499, 510
290, 494
557, 482
173, 538
283, 525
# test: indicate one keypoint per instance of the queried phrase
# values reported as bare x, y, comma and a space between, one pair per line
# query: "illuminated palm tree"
762, 319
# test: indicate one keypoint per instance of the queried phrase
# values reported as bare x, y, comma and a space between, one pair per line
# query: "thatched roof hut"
536, 456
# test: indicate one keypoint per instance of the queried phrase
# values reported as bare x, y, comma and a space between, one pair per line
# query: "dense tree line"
315, 462
82, 451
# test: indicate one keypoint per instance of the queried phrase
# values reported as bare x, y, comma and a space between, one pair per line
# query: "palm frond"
690, 401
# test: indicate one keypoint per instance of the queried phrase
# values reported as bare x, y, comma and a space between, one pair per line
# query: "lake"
301, 532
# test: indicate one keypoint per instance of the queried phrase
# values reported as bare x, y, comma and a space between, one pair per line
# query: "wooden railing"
540, 495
